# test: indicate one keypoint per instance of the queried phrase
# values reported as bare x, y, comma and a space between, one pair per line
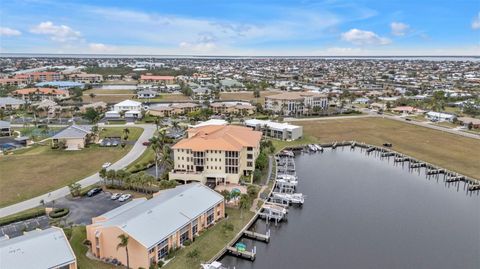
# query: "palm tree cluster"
141, 182
162, 153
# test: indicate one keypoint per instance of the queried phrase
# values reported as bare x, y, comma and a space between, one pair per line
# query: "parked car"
105, 165
93, 192
124, 197
146, 143
408, 119
389, 145
115, 196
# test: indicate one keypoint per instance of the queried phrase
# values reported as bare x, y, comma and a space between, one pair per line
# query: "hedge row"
22, 216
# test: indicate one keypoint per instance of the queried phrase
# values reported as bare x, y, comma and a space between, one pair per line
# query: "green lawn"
76, 241
134, 134
209, 243
39, 169
148, 156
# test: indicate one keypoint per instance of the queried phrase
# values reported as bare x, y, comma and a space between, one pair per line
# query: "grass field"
76, 241
98, 91
246, 96
110, 99
40, 169
447, 150
211, 242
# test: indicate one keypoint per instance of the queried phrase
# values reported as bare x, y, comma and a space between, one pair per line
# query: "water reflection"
366, 211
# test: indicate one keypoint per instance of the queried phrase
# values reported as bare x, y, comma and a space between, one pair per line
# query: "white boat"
318, 147
283, 182
312, 147
213, 265
294, 198
287, 177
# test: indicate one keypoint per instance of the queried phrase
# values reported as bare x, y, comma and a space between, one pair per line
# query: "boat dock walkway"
258, 236
250, 255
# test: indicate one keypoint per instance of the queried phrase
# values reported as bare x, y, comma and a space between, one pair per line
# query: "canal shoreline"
352, 144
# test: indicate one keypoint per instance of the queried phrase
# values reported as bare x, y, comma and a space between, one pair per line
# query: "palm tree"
124, 244
126, 131
166, 159
175, 125
158, 142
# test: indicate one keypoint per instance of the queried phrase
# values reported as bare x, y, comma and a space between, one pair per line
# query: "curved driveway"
131, 156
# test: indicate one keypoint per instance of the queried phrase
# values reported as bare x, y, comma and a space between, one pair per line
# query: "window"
249, 156
249, 164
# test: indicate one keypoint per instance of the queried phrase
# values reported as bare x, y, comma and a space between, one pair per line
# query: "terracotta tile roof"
40, 90
219, 137
150, 77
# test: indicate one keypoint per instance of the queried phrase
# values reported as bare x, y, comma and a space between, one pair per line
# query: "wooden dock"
249, 255
257, 236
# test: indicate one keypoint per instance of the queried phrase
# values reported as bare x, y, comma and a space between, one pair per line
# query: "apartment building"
167, 110
42, 249
155, 226
45, 76
243, 108
18, 80
35, 94
294, 103
157, 79
215, 154
277, 130
86, 78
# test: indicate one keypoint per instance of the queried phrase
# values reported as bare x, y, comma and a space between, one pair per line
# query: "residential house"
75, 137
10, 103
144, 94
466, 121
408, 110
277, 130
40, 249
155, 226
127, 105
5, 128
213, 154
438, 116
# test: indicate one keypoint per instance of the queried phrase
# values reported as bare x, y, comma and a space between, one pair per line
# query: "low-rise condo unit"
214, 154
277, 130
41, 249
156, 226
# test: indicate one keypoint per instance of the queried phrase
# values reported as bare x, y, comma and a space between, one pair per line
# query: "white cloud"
476, 22
361, 37
60, 33
99, 48
399, 28
5, 31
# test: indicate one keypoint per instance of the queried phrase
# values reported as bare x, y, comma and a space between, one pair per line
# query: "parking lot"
17, 228
82, 210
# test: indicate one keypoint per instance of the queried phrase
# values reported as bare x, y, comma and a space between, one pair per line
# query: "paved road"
135, 152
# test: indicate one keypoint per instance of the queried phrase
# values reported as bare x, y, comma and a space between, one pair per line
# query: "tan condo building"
156, 226
215, 154
296, 103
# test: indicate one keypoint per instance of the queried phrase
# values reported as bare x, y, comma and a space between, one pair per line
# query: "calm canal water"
365, 212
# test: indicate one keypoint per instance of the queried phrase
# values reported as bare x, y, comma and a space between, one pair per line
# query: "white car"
115, 196
105, 165
124, 197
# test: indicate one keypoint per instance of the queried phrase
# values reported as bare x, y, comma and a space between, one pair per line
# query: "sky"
242, 28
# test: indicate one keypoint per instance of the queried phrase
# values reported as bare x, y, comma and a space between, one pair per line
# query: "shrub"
58, 213
187, 243
160, 264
